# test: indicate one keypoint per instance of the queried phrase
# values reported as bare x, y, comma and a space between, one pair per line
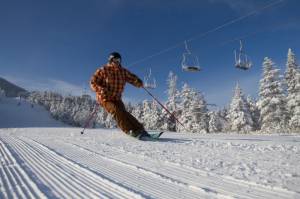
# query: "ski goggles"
116, 60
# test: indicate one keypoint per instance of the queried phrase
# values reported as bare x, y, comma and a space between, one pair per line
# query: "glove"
138, 83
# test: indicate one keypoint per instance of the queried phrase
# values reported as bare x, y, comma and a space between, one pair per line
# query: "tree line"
277, 109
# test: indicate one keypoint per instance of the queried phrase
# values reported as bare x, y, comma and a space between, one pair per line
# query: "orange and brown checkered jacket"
109, 81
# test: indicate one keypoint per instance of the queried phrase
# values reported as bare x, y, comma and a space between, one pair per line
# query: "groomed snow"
59, 162
13, 114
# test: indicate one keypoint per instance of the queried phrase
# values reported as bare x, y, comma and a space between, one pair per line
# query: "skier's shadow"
173, 140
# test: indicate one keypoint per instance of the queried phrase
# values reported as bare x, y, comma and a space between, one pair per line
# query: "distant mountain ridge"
11, 90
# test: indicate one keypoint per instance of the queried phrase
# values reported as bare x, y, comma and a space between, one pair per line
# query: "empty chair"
148, 82
190, 62
241, 59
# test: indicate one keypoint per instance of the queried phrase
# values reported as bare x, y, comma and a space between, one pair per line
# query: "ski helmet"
114, 55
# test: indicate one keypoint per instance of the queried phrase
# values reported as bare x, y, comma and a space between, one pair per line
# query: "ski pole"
163, 106
89, 119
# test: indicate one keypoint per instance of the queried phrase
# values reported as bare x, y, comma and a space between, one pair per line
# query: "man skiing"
108, 82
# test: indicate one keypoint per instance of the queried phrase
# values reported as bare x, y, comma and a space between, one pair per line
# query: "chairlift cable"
241, 37
208, 32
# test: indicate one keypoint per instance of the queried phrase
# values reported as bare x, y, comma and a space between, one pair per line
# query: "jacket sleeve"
133, 79
97, 81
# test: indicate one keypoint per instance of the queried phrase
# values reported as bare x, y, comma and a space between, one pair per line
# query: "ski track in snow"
189, 177
15, 183
63, 178
60, 163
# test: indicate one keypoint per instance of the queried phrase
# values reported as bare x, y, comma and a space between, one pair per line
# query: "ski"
151, 136
155, 135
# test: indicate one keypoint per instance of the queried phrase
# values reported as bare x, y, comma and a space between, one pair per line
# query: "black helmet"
114, 55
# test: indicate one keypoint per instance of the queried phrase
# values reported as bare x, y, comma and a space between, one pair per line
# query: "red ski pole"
163, 106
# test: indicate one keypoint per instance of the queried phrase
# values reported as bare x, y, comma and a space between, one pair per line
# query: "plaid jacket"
109, 81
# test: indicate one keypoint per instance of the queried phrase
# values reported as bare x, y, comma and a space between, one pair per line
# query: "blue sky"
58, 44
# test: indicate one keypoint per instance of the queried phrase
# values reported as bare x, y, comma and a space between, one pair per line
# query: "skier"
108, 82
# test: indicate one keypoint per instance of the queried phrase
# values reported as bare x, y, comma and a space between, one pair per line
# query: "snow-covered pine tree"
172, 103
184, 116
110, 122
157, 118
272, 104
151, 115
129, 107
73, 110
254, 111
239, 115
294, 122
66, 110
223, 114
100, 119
193, 111
84, 107
216, 122
137, 111
146, 114
292, 69
200, 110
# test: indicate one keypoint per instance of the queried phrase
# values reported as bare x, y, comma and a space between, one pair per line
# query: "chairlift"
242, 61
147, 79
190, 62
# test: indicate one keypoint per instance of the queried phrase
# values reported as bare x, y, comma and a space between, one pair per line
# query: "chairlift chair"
190, 62
241, 59
147, 83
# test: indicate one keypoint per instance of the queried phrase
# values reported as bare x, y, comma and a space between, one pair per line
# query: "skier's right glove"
138, 83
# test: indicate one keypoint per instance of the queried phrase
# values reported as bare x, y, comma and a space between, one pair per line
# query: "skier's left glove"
138, 83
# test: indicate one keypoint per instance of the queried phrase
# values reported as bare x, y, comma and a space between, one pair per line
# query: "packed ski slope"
59, 162
15, 113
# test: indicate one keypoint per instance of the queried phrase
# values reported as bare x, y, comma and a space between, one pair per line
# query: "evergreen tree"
239, 116
201, 117
294, 102
193, 111
216, 122
83, 108
100, 119
172, 103
66, 110
254, 111
223, 114
292, 69
110, 122
72, 110
272, 104
151, 115
129, 107
146, 114
137, 111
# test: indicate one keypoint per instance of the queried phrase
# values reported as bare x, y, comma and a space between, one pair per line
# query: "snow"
49, 160
59, 162
16, 113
